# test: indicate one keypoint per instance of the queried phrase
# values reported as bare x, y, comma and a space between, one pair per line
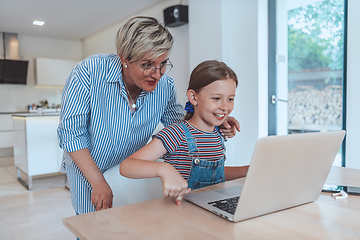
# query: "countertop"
37, 114
15, 112
51, 112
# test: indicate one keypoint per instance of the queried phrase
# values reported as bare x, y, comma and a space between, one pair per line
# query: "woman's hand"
101, 195
174, 185
229, 127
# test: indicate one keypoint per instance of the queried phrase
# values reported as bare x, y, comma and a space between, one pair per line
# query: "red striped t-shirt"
209, 146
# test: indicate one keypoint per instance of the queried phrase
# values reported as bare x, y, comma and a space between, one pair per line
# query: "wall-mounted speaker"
176, 15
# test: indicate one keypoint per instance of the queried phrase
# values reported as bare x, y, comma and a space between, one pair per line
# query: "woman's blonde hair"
140, 36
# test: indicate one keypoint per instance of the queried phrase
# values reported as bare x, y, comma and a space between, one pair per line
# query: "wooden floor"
31, 215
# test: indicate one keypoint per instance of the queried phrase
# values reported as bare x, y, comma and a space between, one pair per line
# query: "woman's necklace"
130, 99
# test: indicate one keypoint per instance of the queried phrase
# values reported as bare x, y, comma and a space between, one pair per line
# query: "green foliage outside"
315, 36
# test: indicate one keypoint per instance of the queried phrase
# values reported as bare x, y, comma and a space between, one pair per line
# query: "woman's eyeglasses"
149, 67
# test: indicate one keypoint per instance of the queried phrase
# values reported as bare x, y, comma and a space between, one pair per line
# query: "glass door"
307, 86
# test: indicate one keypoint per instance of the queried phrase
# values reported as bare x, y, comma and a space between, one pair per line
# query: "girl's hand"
101, 196
229, 127
180, 197
174, 185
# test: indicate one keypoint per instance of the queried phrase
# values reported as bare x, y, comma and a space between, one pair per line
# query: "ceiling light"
38, 22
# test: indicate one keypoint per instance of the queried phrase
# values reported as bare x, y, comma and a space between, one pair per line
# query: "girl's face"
212, 104
145, 73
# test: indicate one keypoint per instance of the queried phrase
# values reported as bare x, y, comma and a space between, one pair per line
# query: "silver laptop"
285, 171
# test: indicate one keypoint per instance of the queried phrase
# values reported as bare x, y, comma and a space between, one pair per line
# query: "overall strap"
189, 138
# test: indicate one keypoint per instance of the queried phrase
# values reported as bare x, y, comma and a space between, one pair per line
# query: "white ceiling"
66, 19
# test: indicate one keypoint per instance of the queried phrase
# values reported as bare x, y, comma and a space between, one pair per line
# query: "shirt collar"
114, 73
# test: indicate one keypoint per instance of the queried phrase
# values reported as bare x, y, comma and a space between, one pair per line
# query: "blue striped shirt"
96, 115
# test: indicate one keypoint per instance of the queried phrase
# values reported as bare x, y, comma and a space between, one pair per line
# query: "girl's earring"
125, 65
194, 98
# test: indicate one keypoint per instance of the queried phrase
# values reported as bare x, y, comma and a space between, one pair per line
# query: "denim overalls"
203, 173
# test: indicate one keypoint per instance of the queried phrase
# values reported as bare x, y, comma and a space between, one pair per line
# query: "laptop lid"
287, 171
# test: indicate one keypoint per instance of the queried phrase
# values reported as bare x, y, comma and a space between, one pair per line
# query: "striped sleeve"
174, 111
170, 137
73, 132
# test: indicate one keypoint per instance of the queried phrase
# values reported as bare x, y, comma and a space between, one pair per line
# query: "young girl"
193, 150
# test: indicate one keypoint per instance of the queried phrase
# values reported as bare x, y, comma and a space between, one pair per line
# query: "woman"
110, 107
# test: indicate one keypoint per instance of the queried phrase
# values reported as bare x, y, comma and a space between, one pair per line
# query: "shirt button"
196, 161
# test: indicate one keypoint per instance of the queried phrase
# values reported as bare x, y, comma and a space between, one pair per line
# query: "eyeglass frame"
168, 65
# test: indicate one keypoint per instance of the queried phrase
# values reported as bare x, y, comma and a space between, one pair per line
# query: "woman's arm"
74, 137
229, 127
101, 195
235, 172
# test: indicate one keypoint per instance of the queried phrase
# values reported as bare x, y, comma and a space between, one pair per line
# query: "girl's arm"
142, 164
235, 172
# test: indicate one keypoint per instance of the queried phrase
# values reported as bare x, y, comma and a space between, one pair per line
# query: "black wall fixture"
176, 15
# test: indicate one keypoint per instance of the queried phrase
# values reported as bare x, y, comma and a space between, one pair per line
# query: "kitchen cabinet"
6, 131
53, 72
36, 150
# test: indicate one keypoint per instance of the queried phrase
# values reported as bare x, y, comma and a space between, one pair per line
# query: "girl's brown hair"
206, 73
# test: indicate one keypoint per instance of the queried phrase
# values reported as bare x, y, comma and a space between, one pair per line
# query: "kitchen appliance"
13, 71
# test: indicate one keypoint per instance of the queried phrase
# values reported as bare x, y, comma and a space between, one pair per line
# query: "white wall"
104, 42
227, 30
353, 86
240, 51
205, 31
16, 97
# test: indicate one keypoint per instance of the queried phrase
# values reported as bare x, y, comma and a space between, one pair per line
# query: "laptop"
285, 171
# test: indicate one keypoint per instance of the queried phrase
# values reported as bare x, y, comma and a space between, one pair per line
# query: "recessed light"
38, 22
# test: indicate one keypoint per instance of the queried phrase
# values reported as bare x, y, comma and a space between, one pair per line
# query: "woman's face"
146, 72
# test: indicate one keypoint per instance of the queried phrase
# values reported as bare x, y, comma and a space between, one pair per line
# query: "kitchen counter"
33, 113
16, 112
37, 114
36, 150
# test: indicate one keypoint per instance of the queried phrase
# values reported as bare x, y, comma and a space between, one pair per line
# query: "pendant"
133, 106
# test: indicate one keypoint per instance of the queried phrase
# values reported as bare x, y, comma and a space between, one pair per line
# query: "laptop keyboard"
228, 205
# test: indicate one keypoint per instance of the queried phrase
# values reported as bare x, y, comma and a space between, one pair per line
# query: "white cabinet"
36, 149
53, 72
6, 122
6, 131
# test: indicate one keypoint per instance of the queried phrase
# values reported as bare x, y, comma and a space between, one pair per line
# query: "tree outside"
315, 66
